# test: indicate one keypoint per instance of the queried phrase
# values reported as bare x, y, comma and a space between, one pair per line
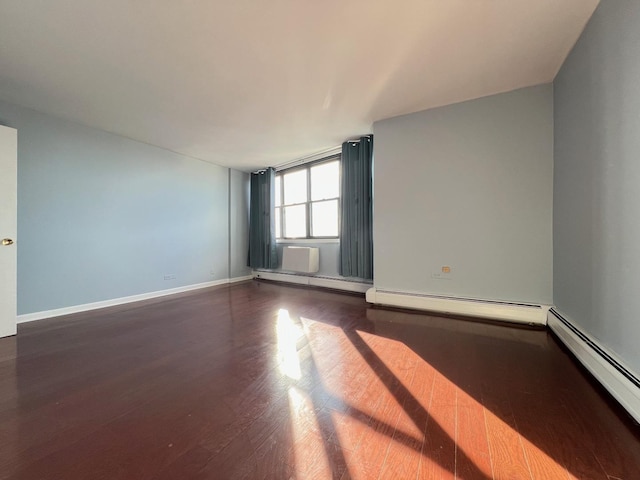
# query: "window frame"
308, 203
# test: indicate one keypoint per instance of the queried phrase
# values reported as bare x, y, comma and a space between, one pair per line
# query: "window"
307, 200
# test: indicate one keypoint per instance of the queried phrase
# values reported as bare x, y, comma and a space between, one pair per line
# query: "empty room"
302, 239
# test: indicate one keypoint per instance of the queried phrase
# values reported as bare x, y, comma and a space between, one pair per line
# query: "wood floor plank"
186, 465
193, 386
438, 459
473, 458
350, 427
404, 454
508, 458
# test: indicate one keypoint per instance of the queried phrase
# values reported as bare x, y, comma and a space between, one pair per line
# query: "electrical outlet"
170, 276
212, 273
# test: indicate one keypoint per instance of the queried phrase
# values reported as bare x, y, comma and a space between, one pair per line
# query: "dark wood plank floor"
261, 381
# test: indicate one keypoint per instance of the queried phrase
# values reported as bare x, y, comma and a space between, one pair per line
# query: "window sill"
307, 241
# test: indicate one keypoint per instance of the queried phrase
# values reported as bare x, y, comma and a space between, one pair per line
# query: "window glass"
325, 180
295, 221
307, 200
278, 190
295, 187
324, 217
278, 223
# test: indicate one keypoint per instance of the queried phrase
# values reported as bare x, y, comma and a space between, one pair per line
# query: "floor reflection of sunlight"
288, 334
310, 456
386, 401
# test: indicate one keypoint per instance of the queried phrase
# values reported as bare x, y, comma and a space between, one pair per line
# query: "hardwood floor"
262, 381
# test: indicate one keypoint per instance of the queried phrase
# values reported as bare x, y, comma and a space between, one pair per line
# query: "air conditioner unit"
301, 259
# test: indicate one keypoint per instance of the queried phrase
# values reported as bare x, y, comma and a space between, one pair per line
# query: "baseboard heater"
313, 280
619, 380
490, 309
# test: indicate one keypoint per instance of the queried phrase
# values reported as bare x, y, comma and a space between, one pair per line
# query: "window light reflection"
311, 458
288, 334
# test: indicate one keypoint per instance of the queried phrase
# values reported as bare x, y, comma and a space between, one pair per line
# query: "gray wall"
597, 181
467, 186
238, 223
102, 216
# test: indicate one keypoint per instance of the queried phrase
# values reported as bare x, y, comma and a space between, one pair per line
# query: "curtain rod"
357, 140
310, 158
316, 156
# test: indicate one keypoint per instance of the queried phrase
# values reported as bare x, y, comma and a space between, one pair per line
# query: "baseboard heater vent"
313, 280
621, 382
491, 309
608, 358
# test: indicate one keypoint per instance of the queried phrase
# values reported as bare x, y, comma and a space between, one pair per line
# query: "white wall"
597, 181
467, 186
102, 217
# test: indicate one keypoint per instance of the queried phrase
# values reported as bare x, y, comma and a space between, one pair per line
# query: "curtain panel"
356, 219
262, 232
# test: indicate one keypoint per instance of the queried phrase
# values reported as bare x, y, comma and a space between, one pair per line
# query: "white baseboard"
618, 379
511, 312
326, 282
240, 279
30, 317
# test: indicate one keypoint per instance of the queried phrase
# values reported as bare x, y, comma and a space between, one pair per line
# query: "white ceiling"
252, 83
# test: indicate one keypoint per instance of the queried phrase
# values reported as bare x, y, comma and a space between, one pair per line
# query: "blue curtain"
356, 219
262, 232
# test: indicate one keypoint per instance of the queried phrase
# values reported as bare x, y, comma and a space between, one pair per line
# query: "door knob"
7, 241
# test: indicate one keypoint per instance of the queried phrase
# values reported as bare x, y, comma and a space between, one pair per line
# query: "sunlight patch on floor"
309, 451
379, 387
288, 334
